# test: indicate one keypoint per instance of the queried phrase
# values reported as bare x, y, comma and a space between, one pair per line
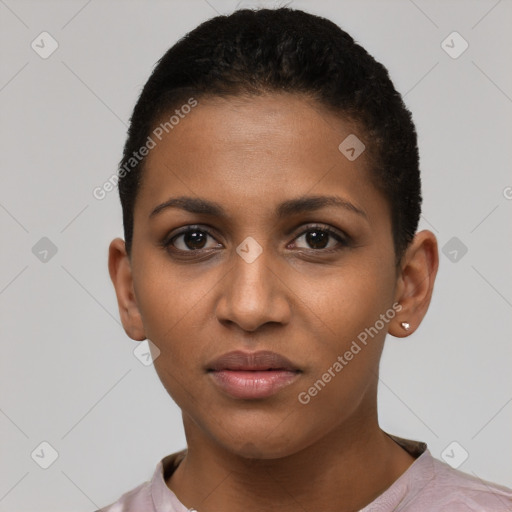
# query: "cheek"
353, 311
165, 296
170, 309
350, 297
173, 325
345, 359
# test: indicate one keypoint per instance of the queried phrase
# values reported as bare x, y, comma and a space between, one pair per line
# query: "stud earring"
406, 325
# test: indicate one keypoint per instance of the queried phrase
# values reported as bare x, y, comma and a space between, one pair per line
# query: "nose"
253, 294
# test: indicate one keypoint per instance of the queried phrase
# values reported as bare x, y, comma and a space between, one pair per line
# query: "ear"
120, 271
418, 270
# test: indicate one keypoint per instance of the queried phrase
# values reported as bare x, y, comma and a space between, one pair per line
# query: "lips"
256, 361
254, 375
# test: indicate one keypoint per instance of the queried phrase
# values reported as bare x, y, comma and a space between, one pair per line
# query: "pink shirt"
428, 485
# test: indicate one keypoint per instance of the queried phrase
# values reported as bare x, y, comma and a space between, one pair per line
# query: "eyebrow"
285, 209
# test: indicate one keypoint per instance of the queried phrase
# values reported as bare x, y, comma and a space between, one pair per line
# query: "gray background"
68, 373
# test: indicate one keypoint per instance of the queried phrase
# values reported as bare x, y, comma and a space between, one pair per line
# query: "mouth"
252, 376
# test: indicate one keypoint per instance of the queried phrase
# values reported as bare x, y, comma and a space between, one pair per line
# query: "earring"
406, 325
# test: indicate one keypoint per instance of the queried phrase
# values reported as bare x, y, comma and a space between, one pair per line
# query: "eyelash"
342, 240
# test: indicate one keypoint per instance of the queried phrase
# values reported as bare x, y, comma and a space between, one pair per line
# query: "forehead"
255, 151
278, 121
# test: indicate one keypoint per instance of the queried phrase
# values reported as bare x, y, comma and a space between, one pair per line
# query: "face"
279, 243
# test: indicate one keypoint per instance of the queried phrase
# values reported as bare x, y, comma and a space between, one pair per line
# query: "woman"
271, 195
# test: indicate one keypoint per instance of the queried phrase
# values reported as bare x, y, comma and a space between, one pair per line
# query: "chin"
260, 444
262, 451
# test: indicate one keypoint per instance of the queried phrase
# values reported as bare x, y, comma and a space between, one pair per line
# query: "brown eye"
317, 239
192, 239
320, 238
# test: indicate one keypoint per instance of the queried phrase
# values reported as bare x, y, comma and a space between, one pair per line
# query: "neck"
343, 472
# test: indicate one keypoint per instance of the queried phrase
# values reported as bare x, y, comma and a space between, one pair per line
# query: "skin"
249, 155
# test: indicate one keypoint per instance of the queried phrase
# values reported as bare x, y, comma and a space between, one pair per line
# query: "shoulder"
153, 495
455, 491
434, 486
137, 499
